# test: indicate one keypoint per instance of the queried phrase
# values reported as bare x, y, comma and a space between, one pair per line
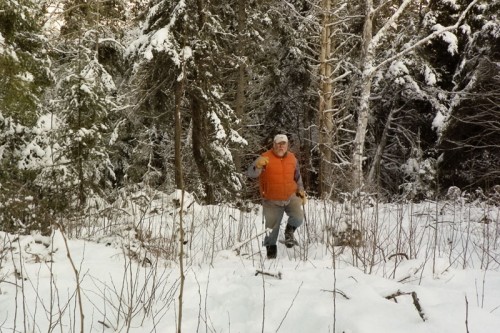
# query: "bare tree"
371, 63
325, 115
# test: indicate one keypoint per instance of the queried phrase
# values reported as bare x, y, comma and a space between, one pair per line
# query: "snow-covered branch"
389, 23
426, 39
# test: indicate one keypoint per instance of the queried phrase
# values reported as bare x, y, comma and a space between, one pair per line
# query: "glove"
302, 194
261, 162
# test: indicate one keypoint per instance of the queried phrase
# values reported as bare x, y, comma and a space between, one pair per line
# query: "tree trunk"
325, 103
179, 87
368, 69
375, 168
199, 134
179, 91
364, 107
240, 90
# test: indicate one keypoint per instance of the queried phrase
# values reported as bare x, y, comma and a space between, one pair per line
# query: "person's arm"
298, 177
253, 171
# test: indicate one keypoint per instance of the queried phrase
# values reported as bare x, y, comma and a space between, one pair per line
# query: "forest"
101, 98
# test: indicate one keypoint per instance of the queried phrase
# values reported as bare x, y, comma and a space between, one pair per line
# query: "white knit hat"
280, 138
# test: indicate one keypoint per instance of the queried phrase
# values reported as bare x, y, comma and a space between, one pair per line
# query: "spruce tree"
84, 103
188, 43
24, 76
469, 132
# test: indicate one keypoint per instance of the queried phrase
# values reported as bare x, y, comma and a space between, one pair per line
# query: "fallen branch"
276, 275
416, 301
236, 247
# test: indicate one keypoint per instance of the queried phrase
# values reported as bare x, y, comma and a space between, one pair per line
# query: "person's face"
280, 148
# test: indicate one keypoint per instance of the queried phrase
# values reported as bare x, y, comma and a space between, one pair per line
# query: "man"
282, 192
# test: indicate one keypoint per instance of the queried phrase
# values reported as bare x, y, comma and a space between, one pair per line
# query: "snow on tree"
24, 76
373, 60
187, 42
83, 102
468, 130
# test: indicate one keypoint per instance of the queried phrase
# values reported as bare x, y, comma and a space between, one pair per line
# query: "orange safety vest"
277, 180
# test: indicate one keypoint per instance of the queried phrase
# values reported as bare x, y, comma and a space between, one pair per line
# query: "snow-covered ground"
406, 277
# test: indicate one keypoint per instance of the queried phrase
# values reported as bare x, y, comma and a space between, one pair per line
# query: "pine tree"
24, 76
83, 103
281, 92
186, 42
469, 132
23, 60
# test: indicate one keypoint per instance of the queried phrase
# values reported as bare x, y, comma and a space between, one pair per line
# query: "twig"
276, 275
263, 303
236, 247
466, 314
77, 277
398, 254
12, 283
340, 292
416, 301
288, 310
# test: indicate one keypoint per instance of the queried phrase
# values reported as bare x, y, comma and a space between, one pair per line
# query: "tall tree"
84, 99
23, 60
24, 76
193, 32
339, 40
281, 95
325, 112
469, 129
372, 62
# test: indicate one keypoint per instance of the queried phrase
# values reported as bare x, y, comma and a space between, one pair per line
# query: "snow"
115, 133
452, 4
466, 29
26, 76
493, 28
124, 288
398, 68
161, 40
47, 122
2, 43
237, 138
438, 121
411, 166
430, 77
449, 38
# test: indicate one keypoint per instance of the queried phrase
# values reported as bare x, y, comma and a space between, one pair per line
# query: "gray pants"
273, 213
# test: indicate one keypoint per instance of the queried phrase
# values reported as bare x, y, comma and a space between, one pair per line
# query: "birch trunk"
179, 96
179, 91
364, 107
370, 42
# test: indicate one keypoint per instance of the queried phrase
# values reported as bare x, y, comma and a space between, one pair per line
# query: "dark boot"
272, 251
289, 239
